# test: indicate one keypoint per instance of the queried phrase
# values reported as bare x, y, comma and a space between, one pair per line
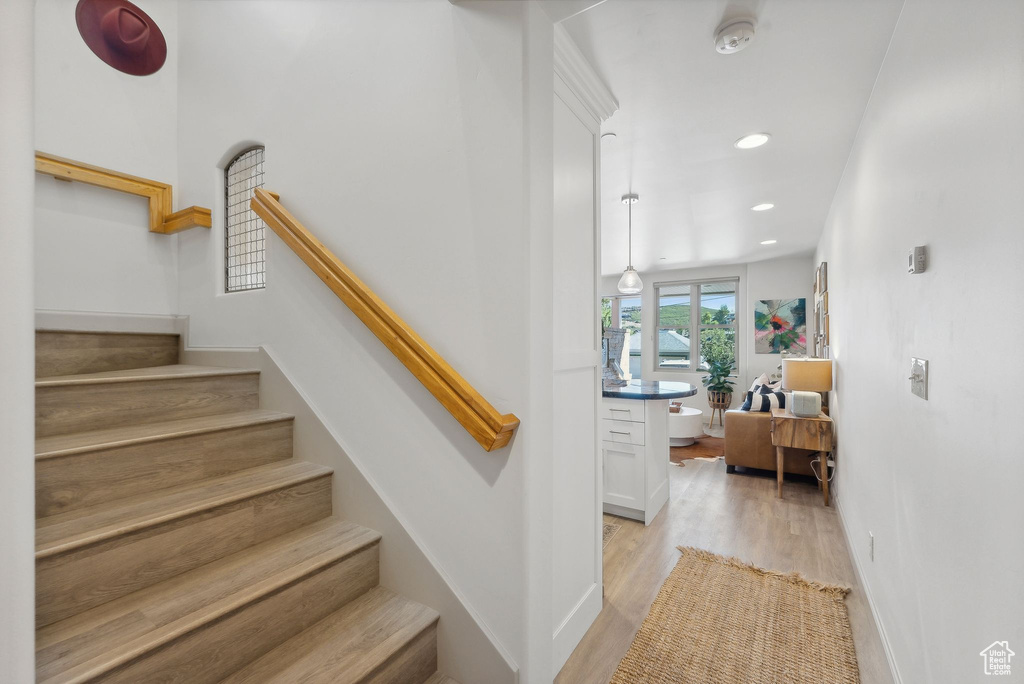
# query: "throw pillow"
762, 380
759, 402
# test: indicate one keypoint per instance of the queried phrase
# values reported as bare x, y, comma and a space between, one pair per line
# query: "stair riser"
84, 479
208, 655
63, 409
72, 582
416, 662
72, 353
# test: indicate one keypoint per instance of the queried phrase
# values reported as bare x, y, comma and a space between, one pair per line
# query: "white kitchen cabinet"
634, 438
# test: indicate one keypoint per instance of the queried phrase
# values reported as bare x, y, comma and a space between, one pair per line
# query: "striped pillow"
763, 400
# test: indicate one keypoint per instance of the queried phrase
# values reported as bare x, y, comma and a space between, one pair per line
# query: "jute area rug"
609, 531
719, 620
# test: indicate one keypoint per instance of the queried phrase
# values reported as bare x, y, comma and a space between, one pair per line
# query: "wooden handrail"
160, 195
491, 429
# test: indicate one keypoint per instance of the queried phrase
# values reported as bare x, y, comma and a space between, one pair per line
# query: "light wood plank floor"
734, 515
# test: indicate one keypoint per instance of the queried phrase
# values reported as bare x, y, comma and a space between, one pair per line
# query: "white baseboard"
569, 634
101, 321
861, 581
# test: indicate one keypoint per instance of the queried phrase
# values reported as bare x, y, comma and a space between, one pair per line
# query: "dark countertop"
650, 389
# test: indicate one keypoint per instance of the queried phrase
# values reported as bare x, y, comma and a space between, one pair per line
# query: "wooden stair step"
439, 678
202, 625
92, 401
178, 370
87, 468
379, 637
93, 555
63, 352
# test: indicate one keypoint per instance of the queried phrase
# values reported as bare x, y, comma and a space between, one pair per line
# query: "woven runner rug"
719, 620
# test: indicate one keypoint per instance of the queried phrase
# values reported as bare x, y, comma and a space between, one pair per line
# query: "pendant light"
630, 282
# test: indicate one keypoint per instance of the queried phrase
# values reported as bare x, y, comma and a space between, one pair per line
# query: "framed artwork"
780, 325
821, 337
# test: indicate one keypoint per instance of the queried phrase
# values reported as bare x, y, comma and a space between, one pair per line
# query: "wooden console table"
795, 432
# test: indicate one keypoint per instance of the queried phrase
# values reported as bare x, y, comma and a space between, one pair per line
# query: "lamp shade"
807, 375
630, 282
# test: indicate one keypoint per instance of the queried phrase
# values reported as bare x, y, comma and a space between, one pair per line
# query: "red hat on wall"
122, 35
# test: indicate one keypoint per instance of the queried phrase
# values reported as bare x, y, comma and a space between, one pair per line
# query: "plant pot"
719, 400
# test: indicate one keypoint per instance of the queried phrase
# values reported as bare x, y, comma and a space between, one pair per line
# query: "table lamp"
808, 378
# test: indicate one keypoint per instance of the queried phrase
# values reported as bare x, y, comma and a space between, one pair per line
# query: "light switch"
919, 377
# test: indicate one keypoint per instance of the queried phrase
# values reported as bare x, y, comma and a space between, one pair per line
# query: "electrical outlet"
871, 546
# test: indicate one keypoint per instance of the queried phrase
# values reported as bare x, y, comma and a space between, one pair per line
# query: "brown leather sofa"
748, 444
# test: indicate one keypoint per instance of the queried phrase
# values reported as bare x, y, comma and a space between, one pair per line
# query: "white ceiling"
805, 80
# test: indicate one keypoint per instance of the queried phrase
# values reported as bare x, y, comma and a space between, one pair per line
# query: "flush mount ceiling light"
749, 142
733, 36
609, 134
768, 242
764, 206
630, 282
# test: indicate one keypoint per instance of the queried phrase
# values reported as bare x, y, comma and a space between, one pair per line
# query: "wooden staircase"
177, 540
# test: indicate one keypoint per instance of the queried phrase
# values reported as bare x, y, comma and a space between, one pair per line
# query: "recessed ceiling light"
768, 242
749, 142
765, 206
661, 258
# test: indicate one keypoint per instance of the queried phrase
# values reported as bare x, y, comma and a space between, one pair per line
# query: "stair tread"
344, 647
136, 374
63, 445
439, 678
78, 528
111, 634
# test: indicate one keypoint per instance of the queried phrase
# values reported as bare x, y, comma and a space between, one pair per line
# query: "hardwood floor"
734, 515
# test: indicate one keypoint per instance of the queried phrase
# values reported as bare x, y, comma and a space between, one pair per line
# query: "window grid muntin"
244, 232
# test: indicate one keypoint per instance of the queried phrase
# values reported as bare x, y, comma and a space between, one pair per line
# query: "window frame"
696, 326
261, 227
616, 311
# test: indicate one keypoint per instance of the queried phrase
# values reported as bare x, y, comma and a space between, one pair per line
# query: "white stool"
684, 427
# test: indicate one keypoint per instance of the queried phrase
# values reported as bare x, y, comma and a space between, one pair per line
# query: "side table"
814, 434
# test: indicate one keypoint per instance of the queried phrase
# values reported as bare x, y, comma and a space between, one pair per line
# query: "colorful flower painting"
780, 325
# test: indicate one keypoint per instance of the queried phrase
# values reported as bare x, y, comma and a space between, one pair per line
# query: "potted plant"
719, 385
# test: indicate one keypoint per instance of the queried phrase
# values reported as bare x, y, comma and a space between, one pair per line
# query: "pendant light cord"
629, 208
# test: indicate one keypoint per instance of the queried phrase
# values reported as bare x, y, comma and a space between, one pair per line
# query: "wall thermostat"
918, 260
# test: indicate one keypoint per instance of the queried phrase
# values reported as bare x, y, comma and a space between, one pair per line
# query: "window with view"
696, 324
245, 262
624, 312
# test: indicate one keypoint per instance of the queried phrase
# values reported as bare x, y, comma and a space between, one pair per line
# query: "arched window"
245, 260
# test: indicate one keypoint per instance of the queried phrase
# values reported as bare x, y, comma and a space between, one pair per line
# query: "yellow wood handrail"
491, 429
160, 195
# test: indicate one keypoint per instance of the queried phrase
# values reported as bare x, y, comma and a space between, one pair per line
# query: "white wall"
93, 248
17, 346
397, 132
937, 162
783, 278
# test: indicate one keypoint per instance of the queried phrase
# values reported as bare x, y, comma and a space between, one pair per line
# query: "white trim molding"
573, 68
103, 321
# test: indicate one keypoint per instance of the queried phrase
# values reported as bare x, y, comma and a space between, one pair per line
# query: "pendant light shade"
630, 283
